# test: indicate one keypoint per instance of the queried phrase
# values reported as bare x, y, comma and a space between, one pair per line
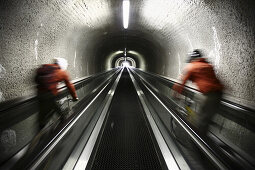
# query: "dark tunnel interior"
91, 36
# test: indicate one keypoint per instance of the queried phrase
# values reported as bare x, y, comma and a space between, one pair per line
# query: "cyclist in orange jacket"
200, 72
47, 78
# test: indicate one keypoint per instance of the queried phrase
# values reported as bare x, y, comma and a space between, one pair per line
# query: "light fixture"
126, 5
126, 64
125, 53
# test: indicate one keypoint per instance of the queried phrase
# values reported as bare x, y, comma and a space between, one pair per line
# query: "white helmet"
61, 62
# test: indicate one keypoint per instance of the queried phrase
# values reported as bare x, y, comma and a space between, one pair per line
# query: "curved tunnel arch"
143, 48
114, 56
119, 62
86, 33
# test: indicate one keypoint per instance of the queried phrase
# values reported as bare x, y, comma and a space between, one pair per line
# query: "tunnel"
91, 36
160, 34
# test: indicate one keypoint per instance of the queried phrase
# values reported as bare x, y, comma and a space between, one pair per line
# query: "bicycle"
53, 124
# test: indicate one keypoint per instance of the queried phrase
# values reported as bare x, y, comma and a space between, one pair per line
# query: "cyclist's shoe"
75, 99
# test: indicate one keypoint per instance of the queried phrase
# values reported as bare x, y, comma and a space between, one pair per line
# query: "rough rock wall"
223, 29
34, 32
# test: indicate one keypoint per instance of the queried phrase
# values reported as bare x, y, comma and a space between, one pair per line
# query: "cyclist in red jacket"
200, 72
47, 78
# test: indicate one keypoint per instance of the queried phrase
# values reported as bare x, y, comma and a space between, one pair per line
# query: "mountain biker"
200, 72
47, 78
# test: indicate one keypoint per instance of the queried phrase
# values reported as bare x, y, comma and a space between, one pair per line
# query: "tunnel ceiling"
130, 40
86, 32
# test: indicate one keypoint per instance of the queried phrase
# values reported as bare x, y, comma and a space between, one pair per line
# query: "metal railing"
162, 88
15, 113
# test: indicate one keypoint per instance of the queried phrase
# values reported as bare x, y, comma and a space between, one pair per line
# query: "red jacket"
54, 76
202, 74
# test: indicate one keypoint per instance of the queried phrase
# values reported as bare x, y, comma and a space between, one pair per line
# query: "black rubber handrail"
242, 115
184, 123
248, 162
24, 108
190, 89
66, 123
89, 97
6, 105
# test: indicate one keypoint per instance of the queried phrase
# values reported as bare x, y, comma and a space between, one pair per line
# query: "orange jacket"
202, 74
57, 76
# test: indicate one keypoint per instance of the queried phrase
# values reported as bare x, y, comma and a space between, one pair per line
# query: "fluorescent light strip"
126, 5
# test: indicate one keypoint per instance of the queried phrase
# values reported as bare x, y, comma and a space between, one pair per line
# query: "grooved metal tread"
126, 143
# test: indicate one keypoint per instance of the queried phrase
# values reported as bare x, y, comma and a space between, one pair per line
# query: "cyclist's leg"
201, 119
45, 102
208, 109
46, 105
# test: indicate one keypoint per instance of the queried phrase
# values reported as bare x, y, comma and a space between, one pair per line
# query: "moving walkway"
124, 122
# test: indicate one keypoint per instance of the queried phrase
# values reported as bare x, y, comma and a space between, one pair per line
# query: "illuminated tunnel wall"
117, 55
161, 33
119, 62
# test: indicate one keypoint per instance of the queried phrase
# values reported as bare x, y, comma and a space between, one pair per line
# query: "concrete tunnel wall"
85, 32
160, 34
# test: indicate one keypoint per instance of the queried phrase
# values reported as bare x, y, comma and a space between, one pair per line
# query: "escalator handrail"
188, 89
248, 160
72, 117
26, 108
197, 139
13, 103
66, 125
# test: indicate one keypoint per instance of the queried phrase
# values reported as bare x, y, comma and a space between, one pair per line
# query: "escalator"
126, 141
123, 124
174, 113
14, 114
131, 137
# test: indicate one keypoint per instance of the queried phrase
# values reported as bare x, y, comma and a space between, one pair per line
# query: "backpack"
45, 76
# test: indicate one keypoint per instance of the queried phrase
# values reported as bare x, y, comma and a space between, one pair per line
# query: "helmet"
61, 62
194, 54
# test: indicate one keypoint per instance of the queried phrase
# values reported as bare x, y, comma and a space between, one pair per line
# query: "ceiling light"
126, 5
